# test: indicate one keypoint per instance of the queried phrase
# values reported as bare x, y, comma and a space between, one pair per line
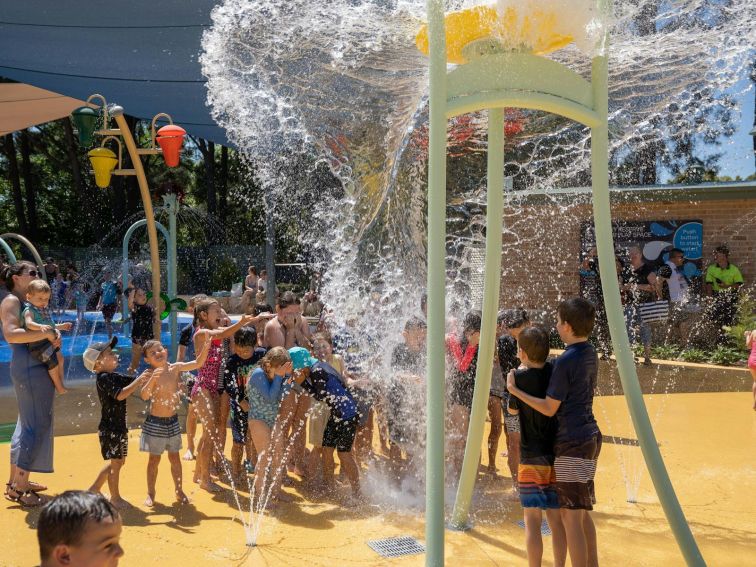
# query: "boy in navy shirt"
321, 381
578, 440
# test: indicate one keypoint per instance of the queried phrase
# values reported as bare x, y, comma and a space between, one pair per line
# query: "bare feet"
210, 486
149, 501
181, 498
120, 503
35, 486
61, 390
189, 455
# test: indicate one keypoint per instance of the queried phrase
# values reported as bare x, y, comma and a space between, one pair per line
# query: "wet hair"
263, 272
252, 270
148, 345
196, 299
38, 286
723, 249
471, 322
534, 341
261, 308
415, 324
513, 318
286, 299
246, 337
275, 357
676, 251
16, 269
322, 336
64, 519
202, 306
579, 313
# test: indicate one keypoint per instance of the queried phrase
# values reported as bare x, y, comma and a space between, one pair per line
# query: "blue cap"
301, 358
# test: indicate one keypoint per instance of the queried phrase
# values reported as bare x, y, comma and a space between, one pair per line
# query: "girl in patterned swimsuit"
264, 390
207, 316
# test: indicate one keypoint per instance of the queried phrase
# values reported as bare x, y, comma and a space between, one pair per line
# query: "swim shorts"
340, 434
160, 434
575, 468
114, 444
537, 482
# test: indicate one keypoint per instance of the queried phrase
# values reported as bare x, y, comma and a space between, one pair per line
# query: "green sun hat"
301, 358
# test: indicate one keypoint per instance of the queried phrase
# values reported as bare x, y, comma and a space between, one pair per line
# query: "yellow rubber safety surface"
533, 32
707, 441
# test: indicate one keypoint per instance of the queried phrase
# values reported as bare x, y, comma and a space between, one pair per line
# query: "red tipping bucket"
171, 138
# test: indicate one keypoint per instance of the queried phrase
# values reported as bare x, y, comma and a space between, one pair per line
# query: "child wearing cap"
320, 380
112, 389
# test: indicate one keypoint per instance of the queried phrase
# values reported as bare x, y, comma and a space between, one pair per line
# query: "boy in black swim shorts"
112, 389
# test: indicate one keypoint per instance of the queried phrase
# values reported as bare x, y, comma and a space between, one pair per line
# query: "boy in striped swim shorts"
578, 439
535, 474
161, 430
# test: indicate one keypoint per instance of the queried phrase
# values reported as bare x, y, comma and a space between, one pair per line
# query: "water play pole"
25, 241
624, 354
8, 251
171, 273
170, 202
491, 286
149, 215
436, 285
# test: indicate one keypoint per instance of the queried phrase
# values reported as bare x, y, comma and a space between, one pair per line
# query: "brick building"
542, 233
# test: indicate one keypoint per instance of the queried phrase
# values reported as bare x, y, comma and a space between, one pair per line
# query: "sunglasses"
32, 273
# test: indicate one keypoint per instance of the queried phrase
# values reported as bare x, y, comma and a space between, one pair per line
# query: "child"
264, 392
246, 355
751, 342
511, 322
59, 287
79, 528
462, 355
207, 315
161, 430
536, 468
319, 412
142, 319
323, 383
186, 348
37, 318
108, 303
112, 389
405, 397
578, 440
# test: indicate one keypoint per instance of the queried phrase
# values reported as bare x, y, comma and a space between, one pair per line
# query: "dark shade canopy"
140, 54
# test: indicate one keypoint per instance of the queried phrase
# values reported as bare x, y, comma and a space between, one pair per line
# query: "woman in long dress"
32, 441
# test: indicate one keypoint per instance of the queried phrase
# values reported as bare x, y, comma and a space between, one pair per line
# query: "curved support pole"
626, 364
25, 241
125, 265
436, 367
170, 203
491, 286
8, 251
149, 215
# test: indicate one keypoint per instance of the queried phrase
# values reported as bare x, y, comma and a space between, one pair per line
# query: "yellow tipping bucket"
534, 31
103, 162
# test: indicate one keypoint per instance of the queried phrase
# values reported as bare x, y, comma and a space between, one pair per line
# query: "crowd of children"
279, 386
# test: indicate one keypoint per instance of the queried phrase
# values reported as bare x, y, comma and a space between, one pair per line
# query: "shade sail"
141, 54
22, 106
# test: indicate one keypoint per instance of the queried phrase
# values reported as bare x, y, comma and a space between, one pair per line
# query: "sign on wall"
656, 239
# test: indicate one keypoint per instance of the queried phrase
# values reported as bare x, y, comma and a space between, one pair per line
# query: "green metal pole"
171, 204
8, 251
625, 362
25, 241
436, 367
491, 286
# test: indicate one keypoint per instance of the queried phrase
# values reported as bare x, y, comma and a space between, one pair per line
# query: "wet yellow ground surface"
707, 440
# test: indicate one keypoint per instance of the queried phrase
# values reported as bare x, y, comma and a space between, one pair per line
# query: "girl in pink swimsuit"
751, 342
205, 399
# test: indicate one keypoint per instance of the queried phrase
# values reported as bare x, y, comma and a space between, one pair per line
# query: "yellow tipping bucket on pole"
103, 162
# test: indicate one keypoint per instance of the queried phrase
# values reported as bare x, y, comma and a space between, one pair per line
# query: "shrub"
694, 355
726, 356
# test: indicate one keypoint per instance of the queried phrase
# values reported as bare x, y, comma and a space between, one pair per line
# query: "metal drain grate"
396, 546
545, 529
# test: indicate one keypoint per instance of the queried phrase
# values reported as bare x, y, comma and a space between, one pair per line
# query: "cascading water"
344, 81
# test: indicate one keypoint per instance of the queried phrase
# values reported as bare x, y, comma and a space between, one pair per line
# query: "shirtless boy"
161, 430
